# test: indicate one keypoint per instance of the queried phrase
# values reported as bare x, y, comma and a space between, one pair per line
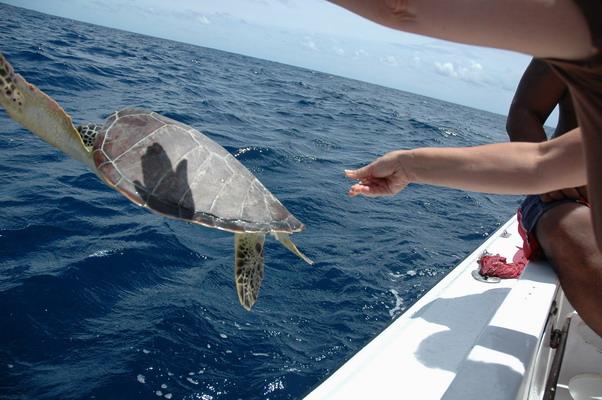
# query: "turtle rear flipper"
248, 266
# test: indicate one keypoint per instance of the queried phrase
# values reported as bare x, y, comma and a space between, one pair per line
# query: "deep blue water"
102, 299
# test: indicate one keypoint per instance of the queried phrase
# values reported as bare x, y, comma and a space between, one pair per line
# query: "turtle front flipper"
40, 114
285, 239
248, 267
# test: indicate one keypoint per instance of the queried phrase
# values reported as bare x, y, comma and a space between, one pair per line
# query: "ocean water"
100, 299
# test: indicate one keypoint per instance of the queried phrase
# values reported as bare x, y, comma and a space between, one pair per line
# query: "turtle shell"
177, 171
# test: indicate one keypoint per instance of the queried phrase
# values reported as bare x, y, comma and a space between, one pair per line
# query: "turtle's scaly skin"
7, 83
175, 170
88, 134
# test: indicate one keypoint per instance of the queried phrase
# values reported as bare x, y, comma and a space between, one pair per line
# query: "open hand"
385, 176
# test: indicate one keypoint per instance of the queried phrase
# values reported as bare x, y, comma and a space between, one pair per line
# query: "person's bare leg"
567, 239
542, 28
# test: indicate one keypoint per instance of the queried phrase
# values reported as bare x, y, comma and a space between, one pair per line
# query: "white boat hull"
464, 339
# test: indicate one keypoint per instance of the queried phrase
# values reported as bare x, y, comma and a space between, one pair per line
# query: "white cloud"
359, 53
469, 71
476, 66
339, 51
446, 68
390, 60
417, 60
203, 20
308, 43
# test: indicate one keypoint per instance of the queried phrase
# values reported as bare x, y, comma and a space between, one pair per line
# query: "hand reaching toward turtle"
385, 176
500, 168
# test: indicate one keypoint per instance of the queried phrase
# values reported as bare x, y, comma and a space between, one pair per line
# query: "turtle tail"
285, 239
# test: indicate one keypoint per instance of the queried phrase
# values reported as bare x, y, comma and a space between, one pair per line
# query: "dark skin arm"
537, 94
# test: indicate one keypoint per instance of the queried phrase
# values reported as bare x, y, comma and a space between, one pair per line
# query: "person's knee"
552, 230
565, 234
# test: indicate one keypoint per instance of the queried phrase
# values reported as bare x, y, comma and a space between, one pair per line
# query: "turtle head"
39, 113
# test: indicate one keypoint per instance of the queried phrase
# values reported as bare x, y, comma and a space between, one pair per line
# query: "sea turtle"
166, 166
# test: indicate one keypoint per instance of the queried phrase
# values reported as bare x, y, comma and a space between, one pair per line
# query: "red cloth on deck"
496, 265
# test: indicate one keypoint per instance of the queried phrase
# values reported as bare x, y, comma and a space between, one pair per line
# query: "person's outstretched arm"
545, 29
503, 168
526, 26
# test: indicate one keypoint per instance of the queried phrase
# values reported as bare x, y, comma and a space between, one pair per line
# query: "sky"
318, 35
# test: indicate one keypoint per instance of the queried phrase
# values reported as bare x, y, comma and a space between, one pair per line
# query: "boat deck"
465, 339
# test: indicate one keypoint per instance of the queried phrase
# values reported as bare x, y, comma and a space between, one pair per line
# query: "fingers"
365, 187
358, 189
571, 193
564, 194
380, 168
545, 198
369, 189
552, 196
377, 178
361, 173
582, 192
